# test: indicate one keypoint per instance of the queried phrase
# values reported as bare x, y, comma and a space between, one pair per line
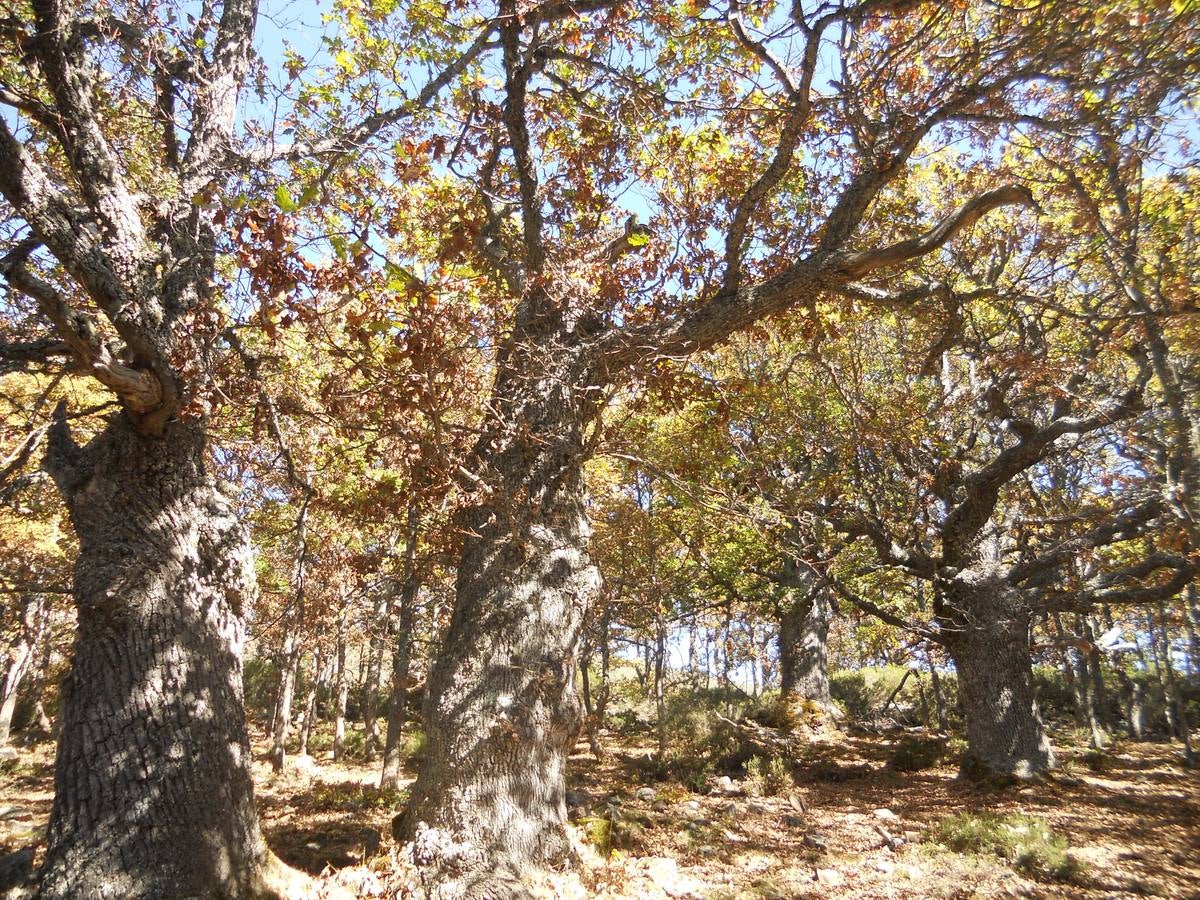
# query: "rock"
829, 877
706, 851
886, 866
727, 787
647, 794
794, 821
7, 753
815, 840
912, 837
886, 815
692, 810
1070, 781
664, 872
16, 868
660, 806
303, 763
757, 807
730, 808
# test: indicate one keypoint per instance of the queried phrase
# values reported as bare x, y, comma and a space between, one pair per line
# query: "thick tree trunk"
987, 635
803, 653
153, 791
502, 712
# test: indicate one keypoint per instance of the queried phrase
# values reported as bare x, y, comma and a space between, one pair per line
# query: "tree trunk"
605, 658
939, 697
341, 690
153, 791
660, 679
1174, 697
310, 701
502, 712
21, 655
374, 679
401, 670
803, 650
289, 669
986, 632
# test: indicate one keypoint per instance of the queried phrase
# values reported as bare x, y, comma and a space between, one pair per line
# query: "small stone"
730, 808
8, 753
660, 806
912, 837
886, 815
815, 840
829, 877
886, 866
692, 810
706, 851
647, 794
793, 821
757, 807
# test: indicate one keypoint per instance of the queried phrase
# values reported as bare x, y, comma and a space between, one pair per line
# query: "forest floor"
850, 827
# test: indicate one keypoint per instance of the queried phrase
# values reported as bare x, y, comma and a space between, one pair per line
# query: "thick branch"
855, 265
516, 78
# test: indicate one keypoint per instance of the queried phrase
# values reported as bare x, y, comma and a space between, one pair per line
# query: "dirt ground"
850, 827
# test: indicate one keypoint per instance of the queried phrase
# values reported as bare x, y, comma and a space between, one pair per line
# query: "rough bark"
153, 791
986, 630
502, 712
803, 656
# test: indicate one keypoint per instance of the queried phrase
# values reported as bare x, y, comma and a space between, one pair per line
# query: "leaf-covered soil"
849, 826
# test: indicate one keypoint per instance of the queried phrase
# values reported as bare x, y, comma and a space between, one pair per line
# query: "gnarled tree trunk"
502, 712
986, 631
153, 791
803, 653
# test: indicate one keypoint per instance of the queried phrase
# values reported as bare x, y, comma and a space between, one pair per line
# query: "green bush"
862, 693
769, 777
1026, 842
260, 681
913, 753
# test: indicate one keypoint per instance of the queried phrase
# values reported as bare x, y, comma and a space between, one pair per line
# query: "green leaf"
283, 199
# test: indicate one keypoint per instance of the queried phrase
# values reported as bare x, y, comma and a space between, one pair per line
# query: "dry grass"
1133, 828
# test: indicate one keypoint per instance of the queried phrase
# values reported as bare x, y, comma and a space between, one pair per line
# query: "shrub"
769, 777
1026, 842
913, 753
